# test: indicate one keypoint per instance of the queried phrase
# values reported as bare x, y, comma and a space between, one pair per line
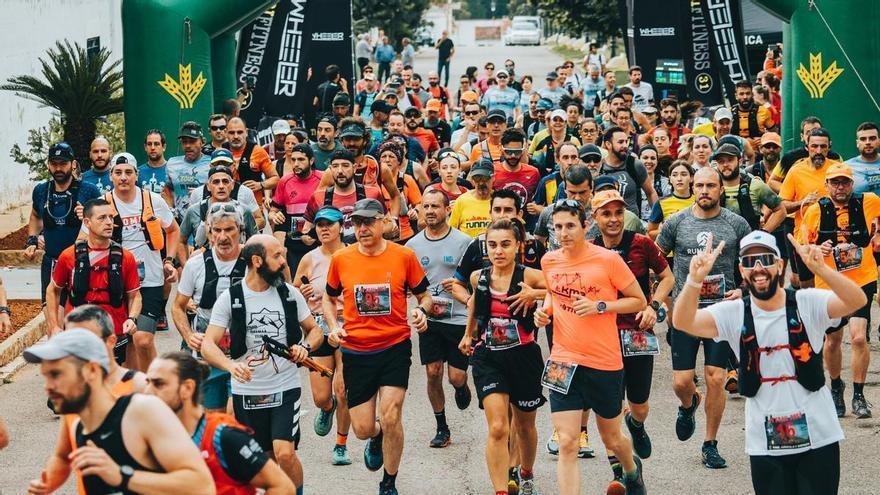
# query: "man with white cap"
127, 445
792, 434
280, 130
502, 96
547, 140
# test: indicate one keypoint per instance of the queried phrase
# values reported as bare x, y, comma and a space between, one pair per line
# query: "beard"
767, 293
818, 160
669, 122
733, 174
870, 155
272, 277
708, 206
62, 176
343, 182
771, 157
76, 404
621, 155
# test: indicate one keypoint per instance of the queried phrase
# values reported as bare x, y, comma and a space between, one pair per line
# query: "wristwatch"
133, 318
655, 305
600, 307
127, 472
173, 261
5, 309
32, 240
423, 310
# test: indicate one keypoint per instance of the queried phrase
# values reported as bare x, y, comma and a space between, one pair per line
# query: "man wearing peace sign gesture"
777, 336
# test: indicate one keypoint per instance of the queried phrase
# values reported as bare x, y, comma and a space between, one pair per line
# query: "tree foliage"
397, 18
578, 17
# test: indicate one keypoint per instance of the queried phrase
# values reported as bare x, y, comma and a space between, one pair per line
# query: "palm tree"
81, 86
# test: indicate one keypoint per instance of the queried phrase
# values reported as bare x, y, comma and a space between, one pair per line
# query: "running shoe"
640, 439
584, 450
162, 323
373, 454
553, 443
616, 487
441, 439
636, 485
387, 489
463, 397
340, 456
731, 385
324, 419
861, 407
686, 423
527, 487
837, 397
513, 481
711, 458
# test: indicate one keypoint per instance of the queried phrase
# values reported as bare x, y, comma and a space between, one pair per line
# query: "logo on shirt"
425, 261
703, 238
266, 320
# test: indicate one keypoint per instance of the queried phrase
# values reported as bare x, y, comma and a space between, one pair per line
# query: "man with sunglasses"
246, 198
491, 148
468, 133
414, 129
686, 234
539, 122
373, 278
791, 433
503, 97
516, 174
266, 389
217, 131
840, 225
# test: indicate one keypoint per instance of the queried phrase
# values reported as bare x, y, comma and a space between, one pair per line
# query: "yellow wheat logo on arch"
186, 90
817, 80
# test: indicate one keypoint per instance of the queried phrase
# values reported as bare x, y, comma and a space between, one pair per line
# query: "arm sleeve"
334, 284
187, 285
788, 190
241, 455
416, 278
312, 206
467, 266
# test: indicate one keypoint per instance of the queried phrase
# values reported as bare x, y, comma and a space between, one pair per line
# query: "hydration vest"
359, 193
754, 131
82, 270
629, 166
207, 438
483, 299
236, 188
245, 172
744, 201
71, 220
807, 363
529, 254
238, 322
623, 250
151, 225
856, 232
212, 277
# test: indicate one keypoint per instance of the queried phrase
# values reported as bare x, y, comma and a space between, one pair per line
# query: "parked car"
422, 37
523, 33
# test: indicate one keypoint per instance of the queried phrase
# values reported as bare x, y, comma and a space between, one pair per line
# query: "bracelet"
691, 283
423, 310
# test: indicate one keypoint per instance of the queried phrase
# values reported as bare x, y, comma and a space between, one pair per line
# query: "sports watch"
655, 305
126, 472
601, 307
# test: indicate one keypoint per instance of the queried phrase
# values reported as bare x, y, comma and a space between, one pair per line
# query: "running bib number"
325, 329
787, 432
847, 256
713, 289
250, 402
638, 342
501, 334
558, 376
441, 309
373, 299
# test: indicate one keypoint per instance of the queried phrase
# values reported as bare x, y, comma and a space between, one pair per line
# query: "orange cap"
433, 105
606, 197
469, 96
838, 170
771, 137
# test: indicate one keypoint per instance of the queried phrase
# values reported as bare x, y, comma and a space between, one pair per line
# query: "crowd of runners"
479, 220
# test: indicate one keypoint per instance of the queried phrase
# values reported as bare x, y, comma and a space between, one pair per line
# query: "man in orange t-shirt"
373, 277
413, 120
587, 286
253, 168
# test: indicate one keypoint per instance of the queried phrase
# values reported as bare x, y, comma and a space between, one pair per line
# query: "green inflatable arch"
830, 66
179, 62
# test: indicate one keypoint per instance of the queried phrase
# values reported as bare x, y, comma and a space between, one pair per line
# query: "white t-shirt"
788, 397
642, 95
265, 317
133, 236
192, 280
245, 197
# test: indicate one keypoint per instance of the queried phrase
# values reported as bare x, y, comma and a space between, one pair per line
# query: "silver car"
523, 33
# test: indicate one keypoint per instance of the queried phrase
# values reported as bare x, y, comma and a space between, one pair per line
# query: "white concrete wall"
27, 29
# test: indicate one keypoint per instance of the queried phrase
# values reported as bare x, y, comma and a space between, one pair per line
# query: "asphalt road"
460, 469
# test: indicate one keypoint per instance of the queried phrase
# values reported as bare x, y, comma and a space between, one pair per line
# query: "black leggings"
815, 472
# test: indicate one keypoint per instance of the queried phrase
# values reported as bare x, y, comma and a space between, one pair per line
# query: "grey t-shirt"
322, 157
629, 185
686, 235
439, 258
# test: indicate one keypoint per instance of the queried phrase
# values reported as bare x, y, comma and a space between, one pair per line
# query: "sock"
511, 473
299, 490
441, 420
388, 479
836, 383
858, 389
616, 468
525, 474
710, 443
341, 438
583, 427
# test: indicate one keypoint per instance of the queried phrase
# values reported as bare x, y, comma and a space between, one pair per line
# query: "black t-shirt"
445, 48
475, 259
326, 92
443, 131
241, 454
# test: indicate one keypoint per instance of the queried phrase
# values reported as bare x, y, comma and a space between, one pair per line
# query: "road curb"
11, 348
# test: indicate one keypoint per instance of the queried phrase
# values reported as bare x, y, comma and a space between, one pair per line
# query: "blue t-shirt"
866, 175
553, 95
185, 176
101, 180
153, 179
505, 99
61, 236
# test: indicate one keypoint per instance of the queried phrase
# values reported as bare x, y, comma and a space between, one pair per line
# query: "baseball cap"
589, 150
771, 138
60, 152
380, 106
469, 96
605, 182
721, 114
341, 99
369, 76
496, 114
838, 170
222, 155
190, 129
433, 105
558, 113
352, 130
483, 168
77, 342
221, 169
606, 197
544, 104
758, 238
123, 159
649, 110
731, 139
552, 76
330, 213
500, 72
395, 83
368, 208
280, 127
412, 112
728, 149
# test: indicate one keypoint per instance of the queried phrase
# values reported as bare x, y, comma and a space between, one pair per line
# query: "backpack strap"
117, 218
291, 319
328, 195
82, 270
114, 275
237, 323
744, 201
